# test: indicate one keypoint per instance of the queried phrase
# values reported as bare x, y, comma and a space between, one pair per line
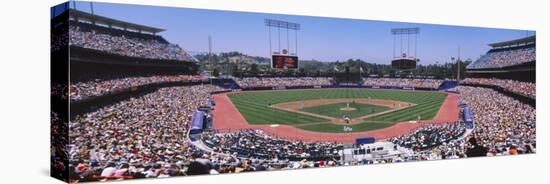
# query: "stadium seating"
503, 125
145, 132
124, 43
282, 81
505, 57
403, 82
257, 144
82, 90
430, 136
523, 88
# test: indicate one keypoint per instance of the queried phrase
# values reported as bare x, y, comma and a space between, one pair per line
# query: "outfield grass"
254, 106
333, 110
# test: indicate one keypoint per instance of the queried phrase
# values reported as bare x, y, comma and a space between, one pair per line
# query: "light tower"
405, 59
458, 65
283, 57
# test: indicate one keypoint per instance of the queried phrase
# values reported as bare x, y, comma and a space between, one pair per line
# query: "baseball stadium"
133, 100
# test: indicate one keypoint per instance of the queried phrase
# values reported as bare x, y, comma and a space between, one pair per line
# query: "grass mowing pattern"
255, 108
333, 110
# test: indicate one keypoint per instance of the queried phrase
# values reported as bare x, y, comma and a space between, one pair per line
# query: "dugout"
468, 118
365, 140
198, 123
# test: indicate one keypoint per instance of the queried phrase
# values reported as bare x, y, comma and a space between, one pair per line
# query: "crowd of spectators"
139, 137
433, 142
504, 58
452, 149
145, 137
58, 152
430, 136
447, 150
80, 90
59, 90
503, 125
257, 144
318, 81
59, 38
524, 88
403, 82
282, 81
141, 47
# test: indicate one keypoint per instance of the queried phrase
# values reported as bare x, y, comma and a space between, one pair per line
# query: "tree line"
217, 64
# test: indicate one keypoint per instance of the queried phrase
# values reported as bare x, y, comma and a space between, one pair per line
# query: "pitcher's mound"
348, 109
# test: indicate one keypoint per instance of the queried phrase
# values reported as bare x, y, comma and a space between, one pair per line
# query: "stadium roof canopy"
97, 19
513, 43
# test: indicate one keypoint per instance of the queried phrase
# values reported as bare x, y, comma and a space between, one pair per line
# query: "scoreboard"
403, 64
284, 62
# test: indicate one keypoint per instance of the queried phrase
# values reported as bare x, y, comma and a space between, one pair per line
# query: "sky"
320, 38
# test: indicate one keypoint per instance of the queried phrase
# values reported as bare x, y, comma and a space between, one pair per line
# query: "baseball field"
326, 110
